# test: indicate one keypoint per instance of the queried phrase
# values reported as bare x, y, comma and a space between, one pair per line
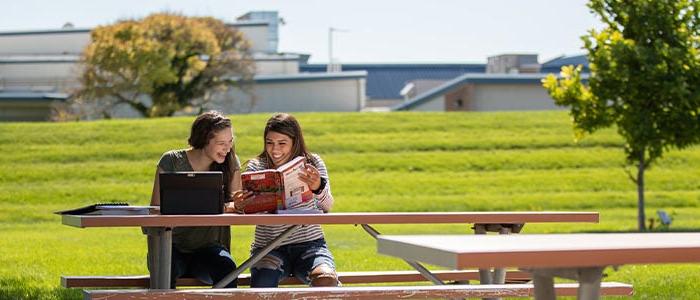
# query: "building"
385, 81
511, 82
41, 67
496, 85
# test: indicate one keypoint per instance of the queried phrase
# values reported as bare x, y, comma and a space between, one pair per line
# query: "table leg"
544, 286
499, 274
420, 268
589, 283
253, 259
485, 275
160, 256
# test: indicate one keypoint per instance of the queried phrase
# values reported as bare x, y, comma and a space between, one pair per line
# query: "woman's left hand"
312, 177
238, 201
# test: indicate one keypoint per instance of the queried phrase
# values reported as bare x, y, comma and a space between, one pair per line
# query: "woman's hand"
239, 199
311, 176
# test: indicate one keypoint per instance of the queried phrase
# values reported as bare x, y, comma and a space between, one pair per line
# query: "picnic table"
575, 256
159, 228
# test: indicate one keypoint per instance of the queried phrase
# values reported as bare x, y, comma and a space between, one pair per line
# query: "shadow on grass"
14, 288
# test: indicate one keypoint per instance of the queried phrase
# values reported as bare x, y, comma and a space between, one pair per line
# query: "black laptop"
191, 193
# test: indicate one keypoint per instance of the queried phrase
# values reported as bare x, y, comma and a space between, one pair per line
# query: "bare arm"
155, 195
235, 193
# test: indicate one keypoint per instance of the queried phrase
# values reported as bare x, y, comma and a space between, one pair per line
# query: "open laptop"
191, 193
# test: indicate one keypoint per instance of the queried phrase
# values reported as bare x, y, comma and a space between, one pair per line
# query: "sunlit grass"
378, 162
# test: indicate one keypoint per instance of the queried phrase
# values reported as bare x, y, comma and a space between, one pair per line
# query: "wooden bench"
143, 281
373, 292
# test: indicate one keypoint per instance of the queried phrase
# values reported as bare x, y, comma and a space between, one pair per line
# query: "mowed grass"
377, 162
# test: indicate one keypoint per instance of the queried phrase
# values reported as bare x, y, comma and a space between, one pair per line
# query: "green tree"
162, 64
645, 80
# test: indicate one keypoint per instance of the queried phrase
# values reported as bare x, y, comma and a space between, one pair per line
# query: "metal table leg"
498, 275
160, 252
420, 268
589, 279
544, 286
589, 283
255, 258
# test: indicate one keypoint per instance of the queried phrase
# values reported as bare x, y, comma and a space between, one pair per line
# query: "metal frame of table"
159, 230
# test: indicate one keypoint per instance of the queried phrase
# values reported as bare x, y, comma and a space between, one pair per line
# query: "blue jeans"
290, 260
209, 264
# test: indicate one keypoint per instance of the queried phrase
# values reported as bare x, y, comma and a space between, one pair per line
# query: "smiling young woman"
304, 253
203, 249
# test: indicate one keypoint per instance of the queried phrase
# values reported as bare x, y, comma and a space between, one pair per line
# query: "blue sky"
390, 31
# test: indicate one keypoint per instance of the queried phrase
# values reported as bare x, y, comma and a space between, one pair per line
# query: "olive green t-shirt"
188, 239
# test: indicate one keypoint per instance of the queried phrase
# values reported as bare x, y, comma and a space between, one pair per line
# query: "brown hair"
203, 129
285, 124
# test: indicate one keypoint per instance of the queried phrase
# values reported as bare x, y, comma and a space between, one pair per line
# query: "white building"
42, 66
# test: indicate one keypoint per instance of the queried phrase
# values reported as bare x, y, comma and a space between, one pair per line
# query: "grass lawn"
377, 162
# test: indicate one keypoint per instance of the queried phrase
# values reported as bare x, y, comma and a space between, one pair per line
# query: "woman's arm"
324, 199
235, 194
155, 195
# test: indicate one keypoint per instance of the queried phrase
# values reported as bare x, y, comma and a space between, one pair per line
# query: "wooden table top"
517, 217
543, 250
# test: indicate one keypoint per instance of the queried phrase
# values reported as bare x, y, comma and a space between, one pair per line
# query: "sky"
374, 31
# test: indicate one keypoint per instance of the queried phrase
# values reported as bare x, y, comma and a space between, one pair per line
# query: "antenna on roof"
332, 65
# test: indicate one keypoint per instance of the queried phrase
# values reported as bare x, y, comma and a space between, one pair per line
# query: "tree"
645, 80
175, 61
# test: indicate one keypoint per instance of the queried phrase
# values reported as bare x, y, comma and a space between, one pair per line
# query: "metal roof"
554, 65
29, 95
308, 77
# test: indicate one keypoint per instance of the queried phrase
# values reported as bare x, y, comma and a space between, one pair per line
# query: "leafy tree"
645, 80
175, 61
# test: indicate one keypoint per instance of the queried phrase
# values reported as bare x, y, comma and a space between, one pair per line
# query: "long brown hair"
203, 129
285, 124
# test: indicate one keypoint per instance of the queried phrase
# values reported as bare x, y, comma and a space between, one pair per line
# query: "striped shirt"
264, 234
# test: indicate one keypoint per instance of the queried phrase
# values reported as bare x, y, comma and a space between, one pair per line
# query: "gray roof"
44, 31
554, 65
36, 59
29, 95
308, 77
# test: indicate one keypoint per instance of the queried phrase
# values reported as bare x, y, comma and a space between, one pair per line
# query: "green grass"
377, 162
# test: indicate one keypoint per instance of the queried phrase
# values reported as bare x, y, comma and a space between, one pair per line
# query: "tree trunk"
640, 193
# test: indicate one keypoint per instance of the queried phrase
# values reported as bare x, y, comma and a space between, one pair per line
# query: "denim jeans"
290, 260
211, 263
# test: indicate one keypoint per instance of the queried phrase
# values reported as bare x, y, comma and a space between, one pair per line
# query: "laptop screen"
191, 193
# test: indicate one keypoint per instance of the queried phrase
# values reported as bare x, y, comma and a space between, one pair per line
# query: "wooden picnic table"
576, 256
159, 229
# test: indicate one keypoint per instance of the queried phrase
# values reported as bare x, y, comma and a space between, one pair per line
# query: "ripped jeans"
290, 260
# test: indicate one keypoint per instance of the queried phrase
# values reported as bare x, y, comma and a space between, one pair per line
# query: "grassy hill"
377, 162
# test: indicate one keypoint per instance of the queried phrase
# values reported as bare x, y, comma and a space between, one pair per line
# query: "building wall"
257, 35
460, 99
74, 42
296, 96
264, 67
382, 102
25, 110
494, 97
44, 43
436, 103
39, 76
